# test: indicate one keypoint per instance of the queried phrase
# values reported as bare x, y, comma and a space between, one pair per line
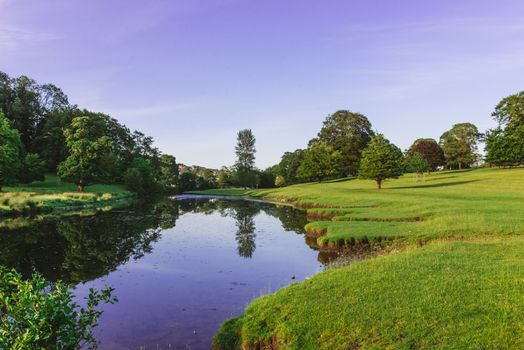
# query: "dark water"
179, 267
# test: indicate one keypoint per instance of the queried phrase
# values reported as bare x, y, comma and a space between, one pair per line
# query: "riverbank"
54, 196
455, 284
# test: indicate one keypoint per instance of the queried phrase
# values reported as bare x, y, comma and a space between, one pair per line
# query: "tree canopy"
381, 160
505, 143
289, 165
430, 150
10, 150
245, 151
460, 145
91, 153
348, 133
320, 161
100, 151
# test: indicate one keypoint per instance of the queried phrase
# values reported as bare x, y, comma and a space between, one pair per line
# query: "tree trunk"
81, 186
379, 183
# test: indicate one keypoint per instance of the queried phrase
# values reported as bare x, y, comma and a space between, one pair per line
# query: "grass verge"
53, 195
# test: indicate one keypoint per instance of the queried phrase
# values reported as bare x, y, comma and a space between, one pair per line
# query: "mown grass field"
463, 289
53, 194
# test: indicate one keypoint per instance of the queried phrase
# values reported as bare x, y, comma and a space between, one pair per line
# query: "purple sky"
192, 73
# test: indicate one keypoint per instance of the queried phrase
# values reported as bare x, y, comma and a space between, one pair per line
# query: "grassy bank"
445, 204
54, 195
462, 289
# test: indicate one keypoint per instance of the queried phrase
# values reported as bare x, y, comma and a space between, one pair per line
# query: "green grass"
445, 204
446, 295
462, 290
53, 194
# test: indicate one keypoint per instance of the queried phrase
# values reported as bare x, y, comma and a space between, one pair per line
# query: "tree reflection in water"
78, 249
245, 235
81, 248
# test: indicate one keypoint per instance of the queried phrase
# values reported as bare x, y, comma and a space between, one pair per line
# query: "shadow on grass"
445, 184
344, 179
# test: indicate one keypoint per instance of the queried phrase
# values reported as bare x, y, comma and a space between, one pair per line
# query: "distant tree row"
47, 133
346, 145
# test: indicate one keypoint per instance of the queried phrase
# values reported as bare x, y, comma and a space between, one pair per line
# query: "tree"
10, 149
505, 147
417, 163
320, 161
139, 177
510, 111
245, 152
460, 145
348, 133
267, 177
91, 153
280, 181
430, 150
381, 160
245, 149
246, 178
187, 181
289, 165
224, 177
33, 169
50, 141
168, 172
133, 180
27, 105
505, 144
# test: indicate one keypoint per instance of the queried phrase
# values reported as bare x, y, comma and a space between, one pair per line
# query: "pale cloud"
14, 36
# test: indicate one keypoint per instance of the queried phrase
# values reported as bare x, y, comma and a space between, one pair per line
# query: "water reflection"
245, 235
163, 258
82, 248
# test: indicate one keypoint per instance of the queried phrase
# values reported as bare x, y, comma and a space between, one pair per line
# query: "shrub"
37, 314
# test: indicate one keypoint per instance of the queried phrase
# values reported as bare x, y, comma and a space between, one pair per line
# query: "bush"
37, 314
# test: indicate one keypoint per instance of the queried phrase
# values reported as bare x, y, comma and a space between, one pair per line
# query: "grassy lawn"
53, 194
462, 290
445, 204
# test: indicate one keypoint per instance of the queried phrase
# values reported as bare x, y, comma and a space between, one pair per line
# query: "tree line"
347, 145
41, 131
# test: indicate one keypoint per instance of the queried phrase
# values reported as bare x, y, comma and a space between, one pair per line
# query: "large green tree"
168, 172
381, 160
245, 151
10, 151
289, 165
505, 144
28, 104
91, 153
430, 150
348, 133
320, 161
460, 145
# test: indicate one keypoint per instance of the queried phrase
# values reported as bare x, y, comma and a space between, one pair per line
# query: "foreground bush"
37, 314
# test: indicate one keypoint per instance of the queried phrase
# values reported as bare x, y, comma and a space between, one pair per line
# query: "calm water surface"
179, 267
